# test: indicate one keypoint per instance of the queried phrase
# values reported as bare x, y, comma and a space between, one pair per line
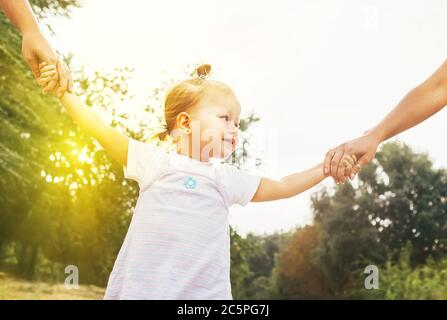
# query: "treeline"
393, 217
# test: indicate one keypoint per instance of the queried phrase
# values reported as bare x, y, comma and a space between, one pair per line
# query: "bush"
399, 281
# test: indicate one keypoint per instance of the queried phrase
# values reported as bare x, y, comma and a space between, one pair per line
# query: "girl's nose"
232, 130
233, 127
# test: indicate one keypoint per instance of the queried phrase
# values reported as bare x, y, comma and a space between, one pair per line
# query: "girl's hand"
48, 77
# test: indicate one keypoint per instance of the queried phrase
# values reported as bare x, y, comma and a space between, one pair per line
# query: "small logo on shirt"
190, 183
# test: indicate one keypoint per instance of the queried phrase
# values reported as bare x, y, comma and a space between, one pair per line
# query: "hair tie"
203, 71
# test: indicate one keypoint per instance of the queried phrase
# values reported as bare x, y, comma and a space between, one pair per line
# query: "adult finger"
327, 161
342, 171
34, 66
348, 162
69, 78
63, 83
348, 172
336, 163
50, 86
357, 168
362, 161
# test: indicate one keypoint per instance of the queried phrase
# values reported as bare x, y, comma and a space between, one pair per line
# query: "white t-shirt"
178, 242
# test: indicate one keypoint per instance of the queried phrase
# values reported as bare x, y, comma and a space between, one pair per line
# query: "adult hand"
36, 49
364, 148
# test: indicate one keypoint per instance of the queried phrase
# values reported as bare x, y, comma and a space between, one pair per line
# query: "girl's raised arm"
114, 142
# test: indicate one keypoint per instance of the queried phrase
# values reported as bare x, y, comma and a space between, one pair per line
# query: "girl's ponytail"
161, 135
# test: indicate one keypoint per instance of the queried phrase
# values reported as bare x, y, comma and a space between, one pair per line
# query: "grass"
12, 288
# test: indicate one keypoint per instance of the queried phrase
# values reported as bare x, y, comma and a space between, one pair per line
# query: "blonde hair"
187, 94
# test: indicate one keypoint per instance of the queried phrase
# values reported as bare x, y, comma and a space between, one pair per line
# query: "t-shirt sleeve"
144, 162
240, 185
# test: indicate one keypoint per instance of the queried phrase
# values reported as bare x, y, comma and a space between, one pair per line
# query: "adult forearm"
418, 105
19, 12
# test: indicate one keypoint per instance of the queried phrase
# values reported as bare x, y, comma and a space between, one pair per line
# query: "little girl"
178, 243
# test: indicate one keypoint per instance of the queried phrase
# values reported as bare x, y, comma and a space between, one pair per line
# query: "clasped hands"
48, 78
347, 166
346, 160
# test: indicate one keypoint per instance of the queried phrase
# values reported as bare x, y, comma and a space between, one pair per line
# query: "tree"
253, 260
25, 120
299, 276
411, 202
400, 198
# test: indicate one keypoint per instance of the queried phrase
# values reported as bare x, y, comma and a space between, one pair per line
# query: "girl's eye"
225, 117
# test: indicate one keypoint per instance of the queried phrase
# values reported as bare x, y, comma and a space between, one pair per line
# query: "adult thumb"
363, 160
360, 163
34, 66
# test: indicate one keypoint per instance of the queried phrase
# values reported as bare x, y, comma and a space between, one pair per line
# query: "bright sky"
316, 72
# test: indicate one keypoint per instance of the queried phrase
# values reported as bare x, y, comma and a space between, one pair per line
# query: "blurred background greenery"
63, 201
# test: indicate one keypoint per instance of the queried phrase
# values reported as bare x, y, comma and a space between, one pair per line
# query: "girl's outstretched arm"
114, 142
288, 186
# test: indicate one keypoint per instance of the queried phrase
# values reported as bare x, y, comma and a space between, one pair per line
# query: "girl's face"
215, 126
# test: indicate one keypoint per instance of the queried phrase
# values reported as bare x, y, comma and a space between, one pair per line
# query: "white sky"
316, 72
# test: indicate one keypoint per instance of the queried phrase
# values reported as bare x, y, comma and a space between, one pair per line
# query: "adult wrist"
376, 135
31, 31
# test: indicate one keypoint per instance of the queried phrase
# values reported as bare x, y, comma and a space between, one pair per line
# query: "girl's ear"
184, 122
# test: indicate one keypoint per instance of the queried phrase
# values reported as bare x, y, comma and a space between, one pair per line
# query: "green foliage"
25, 121
44, 8
400, 199
240, 269
63, 199
413, 198
400, 281
347, 238
253, 260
